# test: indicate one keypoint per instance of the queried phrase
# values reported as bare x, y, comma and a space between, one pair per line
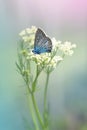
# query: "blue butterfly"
42, 43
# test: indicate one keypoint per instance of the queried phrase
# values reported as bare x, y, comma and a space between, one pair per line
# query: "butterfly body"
42, 43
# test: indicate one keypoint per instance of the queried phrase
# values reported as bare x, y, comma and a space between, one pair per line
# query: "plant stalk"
45, 114
37, 110
33, 113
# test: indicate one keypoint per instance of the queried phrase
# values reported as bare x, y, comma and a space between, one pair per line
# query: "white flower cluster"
53, 63
47, 61
44, 60
28, 35
67, 47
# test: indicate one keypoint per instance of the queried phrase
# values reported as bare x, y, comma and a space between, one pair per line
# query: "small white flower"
25, 38
57, 58
73, 45
22, 33
31, 30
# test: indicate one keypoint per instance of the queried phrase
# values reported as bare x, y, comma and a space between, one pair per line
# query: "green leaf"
19, 68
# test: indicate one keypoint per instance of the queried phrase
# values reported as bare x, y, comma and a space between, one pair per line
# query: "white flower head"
28, 34
67, 47
41, 59
45, 60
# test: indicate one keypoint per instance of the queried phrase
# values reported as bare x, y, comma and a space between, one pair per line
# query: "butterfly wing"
38, 36
42, 43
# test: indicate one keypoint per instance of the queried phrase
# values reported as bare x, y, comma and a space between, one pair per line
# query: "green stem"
27, 84
34, 83
37, 110
35, 80
34, 101
33, 113
45, 101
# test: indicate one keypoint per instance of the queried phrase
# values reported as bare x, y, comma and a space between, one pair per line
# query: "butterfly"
42, 43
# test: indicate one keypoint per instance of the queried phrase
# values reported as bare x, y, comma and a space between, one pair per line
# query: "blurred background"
64, 20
